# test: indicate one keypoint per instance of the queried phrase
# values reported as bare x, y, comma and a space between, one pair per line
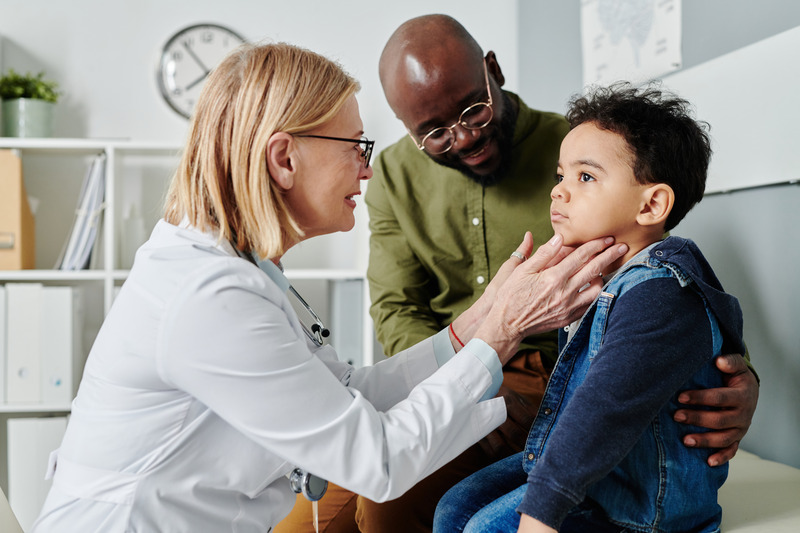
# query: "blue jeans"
484, 502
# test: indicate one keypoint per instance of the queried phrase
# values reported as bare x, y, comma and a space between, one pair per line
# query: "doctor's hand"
544, 292
733, 406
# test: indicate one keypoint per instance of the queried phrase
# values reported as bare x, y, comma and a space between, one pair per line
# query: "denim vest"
660, 485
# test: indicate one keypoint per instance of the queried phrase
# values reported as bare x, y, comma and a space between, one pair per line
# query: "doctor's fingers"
589, 262
565, 261
508, 267
517, 258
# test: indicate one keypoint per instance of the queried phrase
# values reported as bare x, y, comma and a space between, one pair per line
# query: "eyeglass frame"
489, 104
366, 152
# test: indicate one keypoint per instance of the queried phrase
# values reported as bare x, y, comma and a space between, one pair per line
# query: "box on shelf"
17, 230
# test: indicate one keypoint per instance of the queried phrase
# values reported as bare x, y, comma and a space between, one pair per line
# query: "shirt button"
531, 457
476, 221
548, 411
566, 328
480, 280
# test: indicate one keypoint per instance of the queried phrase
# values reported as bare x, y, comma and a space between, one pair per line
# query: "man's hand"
510, 437
734, 405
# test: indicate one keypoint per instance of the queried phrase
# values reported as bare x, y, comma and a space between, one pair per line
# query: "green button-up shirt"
438, 238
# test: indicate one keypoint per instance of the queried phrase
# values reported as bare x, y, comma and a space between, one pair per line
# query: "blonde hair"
222, 182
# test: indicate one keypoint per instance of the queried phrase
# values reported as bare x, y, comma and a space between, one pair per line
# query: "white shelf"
52, 275
34, 408
324, 274
57, 145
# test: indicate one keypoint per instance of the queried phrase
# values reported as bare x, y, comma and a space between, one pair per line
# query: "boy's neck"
636, 243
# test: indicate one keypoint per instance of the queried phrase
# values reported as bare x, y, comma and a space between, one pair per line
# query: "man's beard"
504, 138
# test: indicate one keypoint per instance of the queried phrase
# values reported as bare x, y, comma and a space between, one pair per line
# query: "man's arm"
399, 284
734, 407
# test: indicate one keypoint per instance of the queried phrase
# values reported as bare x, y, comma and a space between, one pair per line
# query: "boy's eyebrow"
588, 162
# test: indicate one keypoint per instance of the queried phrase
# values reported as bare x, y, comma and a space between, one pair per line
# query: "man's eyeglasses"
366, 151
475, 117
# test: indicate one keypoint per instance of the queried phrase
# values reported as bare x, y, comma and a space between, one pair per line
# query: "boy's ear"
657, 203
280, 159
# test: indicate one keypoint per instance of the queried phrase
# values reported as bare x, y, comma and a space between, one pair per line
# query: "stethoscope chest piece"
309, 485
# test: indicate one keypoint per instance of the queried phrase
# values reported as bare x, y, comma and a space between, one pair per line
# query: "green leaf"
14, 85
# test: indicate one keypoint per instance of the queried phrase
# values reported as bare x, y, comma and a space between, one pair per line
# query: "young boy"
604, 453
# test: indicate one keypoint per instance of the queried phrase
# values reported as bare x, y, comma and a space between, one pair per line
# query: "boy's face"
596, 194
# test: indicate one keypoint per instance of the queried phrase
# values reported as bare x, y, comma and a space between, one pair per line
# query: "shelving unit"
137, 173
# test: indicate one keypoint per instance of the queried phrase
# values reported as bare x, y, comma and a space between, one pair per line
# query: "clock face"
187, 59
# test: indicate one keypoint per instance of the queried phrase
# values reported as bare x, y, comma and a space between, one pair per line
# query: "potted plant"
27, 104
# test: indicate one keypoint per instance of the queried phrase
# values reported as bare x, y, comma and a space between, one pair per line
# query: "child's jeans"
484, 502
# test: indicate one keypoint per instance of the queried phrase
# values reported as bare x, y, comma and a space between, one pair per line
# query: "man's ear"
658, 200
494, 68
281, 151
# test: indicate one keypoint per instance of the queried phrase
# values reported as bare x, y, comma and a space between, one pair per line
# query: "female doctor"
204, 392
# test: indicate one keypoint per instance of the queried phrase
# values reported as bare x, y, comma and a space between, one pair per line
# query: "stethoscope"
318, 332
302, 482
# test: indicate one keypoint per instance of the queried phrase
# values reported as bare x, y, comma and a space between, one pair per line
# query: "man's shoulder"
401, 151
532, 121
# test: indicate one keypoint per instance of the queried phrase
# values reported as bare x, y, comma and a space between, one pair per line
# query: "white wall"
104, 54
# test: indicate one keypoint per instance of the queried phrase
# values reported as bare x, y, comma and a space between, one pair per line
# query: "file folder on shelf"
23, 329
59, 344
82, 237
43, 327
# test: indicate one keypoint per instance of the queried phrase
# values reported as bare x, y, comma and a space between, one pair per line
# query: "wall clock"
186, 60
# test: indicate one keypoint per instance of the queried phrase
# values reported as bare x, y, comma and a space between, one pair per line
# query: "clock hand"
197, 59
198, 80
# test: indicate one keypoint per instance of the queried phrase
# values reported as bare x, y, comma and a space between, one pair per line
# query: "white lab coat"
202, 392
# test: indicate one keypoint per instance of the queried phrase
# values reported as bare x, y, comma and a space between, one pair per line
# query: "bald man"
447, 204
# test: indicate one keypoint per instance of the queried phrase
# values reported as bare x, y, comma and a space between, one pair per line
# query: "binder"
30, 441
85, 227
23, 335
17, 231
59, 336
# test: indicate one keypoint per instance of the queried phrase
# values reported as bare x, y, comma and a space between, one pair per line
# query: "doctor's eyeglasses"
366, 151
